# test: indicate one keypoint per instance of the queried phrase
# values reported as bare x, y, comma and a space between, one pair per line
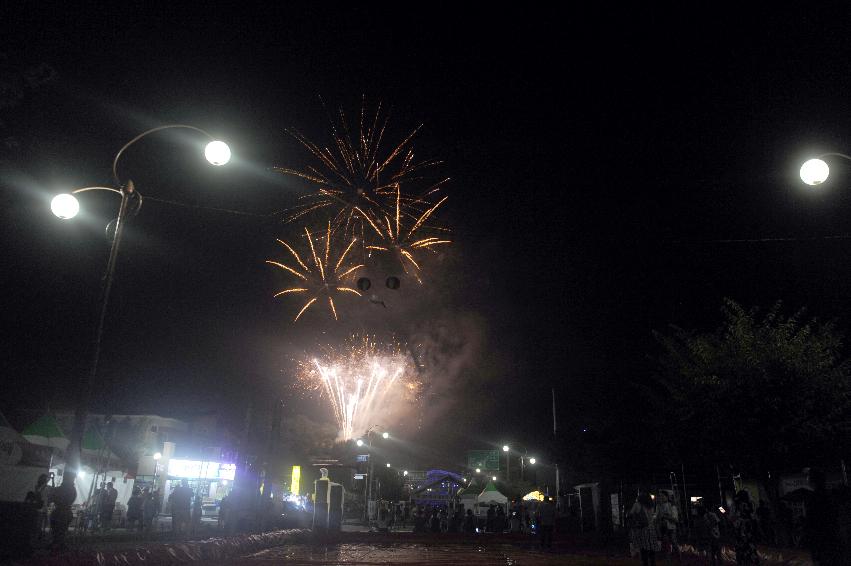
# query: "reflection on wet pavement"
409, 554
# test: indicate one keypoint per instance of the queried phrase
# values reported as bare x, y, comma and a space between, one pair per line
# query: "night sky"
604, 169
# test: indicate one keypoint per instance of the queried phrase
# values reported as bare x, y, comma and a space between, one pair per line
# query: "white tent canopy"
490, 496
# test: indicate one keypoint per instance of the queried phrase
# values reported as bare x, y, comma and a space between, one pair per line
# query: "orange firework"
397, 238
319, 277
356, 181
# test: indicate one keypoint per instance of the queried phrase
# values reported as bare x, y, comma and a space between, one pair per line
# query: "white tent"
20, 463
490, 496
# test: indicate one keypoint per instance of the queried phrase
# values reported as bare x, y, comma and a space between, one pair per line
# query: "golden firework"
356, 180
318, 277
403, 241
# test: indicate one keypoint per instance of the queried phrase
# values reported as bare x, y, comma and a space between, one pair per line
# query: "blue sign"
363, 457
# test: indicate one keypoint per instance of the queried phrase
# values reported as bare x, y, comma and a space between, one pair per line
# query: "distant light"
385, 435
814, 172
494, 478
157, 455
217, 152
224, 482
695, 499
532, 460
405, 473
81, 474
65, 206
478, 470
388, 464
359, 442
505, 448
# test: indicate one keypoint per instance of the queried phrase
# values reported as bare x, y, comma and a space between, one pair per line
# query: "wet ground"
422, 553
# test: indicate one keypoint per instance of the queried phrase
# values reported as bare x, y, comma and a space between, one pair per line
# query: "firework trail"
356, 180
362, 381
319, 276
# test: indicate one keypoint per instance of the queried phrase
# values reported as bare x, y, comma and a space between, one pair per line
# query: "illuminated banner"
295, 484
196, 469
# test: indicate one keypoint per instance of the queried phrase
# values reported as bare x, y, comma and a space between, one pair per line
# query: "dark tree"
763, 392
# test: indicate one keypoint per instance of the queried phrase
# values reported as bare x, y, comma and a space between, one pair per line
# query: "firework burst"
319, 277
363, 382
356, 180
396, 238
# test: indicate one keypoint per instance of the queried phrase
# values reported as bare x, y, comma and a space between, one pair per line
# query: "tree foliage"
763, 392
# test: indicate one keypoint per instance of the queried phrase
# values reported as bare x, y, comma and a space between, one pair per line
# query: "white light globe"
217, 152
532, 460
388, 464
385, 435
157, 456
814, 172
505, 448
65, 206
494, 478
478, 470
359, 442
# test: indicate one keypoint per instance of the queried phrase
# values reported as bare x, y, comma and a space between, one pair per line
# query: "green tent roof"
490, 487
92, 440
46, 426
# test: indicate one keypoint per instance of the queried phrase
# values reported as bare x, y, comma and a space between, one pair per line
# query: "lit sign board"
363, 457
294, 485
360, 476
196, 469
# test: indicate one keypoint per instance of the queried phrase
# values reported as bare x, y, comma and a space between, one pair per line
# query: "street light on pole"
506, 448
66, 206
816, 171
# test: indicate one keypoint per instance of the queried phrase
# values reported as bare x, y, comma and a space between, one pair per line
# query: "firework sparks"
395, 237
361, 382
318, 277
355, 179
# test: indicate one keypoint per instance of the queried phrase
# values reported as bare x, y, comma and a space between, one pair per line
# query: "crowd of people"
519, 518
655, 526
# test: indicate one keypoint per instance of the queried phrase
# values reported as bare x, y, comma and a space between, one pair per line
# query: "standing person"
134, 509
546, 521
766, 523
821, 530
643, 529
469, 522
107, 506
708, 532
499, 520
745, 530
435, 520
419, 521
667, 520
39, 498
63, 498
198, 511
490, 519
149, 510
180, 501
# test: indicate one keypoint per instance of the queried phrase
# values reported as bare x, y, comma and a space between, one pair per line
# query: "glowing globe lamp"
814, 172
217, 152
65, 206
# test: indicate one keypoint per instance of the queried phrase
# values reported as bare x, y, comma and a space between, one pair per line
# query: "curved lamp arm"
834, 154
145, 133
84, 189
128, 189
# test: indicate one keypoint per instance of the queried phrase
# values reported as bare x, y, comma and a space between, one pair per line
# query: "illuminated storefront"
212, 479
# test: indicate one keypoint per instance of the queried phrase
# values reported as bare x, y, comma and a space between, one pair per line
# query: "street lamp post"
506, 448
65, 206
